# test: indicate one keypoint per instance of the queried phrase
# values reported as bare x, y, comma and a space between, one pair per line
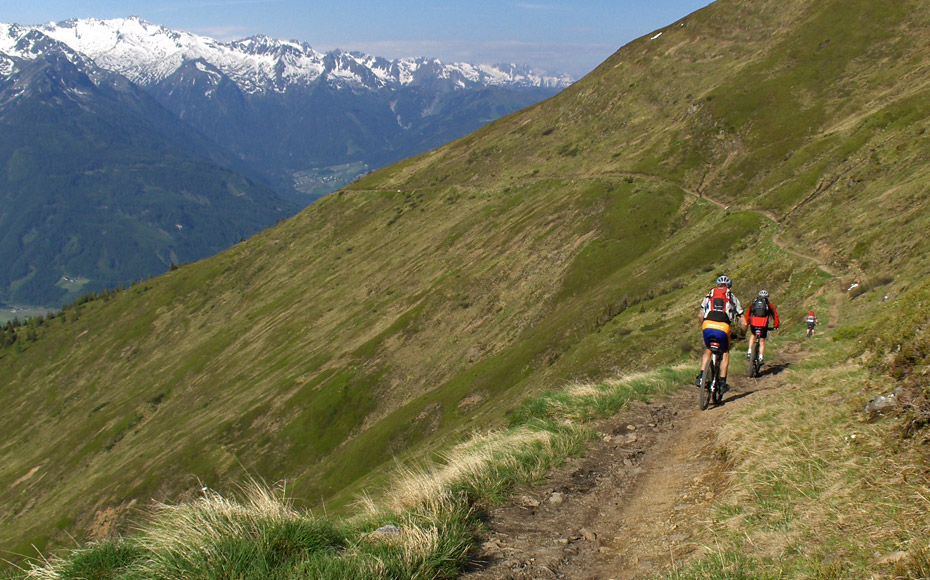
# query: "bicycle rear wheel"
706, 379
753, 360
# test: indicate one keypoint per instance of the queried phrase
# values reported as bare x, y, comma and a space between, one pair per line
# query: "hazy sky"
570, 36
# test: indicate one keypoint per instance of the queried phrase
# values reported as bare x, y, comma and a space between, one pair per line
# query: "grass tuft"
216, 537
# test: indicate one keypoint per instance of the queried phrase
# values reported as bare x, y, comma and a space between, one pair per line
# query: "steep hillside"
794, 110
569, 241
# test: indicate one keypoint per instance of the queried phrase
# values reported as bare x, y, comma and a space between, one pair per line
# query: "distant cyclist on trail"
811, 323
719, 310
757, 319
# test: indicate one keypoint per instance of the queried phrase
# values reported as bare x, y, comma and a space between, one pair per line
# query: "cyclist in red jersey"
757, 318
811, 320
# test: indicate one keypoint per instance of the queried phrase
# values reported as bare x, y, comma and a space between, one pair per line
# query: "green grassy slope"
568, 241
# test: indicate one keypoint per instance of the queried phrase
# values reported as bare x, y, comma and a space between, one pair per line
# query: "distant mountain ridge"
148, 54
122, 125
102, 186
287, 109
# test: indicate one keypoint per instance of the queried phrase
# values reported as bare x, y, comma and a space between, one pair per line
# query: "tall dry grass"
818, 491
422, 526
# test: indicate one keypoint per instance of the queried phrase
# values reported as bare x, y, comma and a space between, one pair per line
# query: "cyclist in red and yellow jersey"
719, 310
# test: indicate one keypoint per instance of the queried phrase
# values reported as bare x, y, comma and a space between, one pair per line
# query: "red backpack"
720, 300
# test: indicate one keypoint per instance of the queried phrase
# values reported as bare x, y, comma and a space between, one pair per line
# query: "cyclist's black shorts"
760, 331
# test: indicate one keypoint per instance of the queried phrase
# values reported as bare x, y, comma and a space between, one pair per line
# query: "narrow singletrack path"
699, 193
636, 504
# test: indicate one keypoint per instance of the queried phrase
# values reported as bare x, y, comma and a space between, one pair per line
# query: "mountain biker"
811, 323
757, 318
719, 310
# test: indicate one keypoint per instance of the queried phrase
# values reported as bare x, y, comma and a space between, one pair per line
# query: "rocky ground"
635, 505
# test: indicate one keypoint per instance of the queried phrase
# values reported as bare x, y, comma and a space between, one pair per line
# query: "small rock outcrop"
882, 405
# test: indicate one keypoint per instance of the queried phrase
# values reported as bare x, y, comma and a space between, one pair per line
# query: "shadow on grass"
735, 397
773, 369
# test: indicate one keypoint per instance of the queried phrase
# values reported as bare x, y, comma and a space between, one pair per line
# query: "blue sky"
570, 36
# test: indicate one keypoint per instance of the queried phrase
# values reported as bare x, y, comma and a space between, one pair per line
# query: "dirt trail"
636, 504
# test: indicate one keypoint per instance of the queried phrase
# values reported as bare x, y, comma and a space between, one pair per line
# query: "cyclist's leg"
705, 359
724, 364
763, 335
714, 331
706, 336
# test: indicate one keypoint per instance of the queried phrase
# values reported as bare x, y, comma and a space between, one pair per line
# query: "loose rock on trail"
635, 505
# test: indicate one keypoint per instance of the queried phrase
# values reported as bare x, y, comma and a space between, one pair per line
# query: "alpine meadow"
439, 306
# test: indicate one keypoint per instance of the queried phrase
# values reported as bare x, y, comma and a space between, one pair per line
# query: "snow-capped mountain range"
147, 54
127, 147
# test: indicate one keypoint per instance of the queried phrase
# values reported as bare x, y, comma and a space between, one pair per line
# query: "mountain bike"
710, 381
810, 329
755, 366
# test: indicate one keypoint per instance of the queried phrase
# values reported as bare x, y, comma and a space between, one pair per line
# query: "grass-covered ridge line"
430, 510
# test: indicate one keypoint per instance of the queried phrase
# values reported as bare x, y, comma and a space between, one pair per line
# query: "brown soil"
636, 504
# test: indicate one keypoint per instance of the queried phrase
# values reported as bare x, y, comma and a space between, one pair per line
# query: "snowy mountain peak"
19, 44
147, 54
265, 44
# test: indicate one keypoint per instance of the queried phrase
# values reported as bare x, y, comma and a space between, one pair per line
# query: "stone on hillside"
588, 535
527, 501
491, 547
882, 405
388, 530
892, 558
627, 439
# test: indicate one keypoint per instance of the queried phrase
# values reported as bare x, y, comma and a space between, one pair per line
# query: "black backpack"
760, 307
